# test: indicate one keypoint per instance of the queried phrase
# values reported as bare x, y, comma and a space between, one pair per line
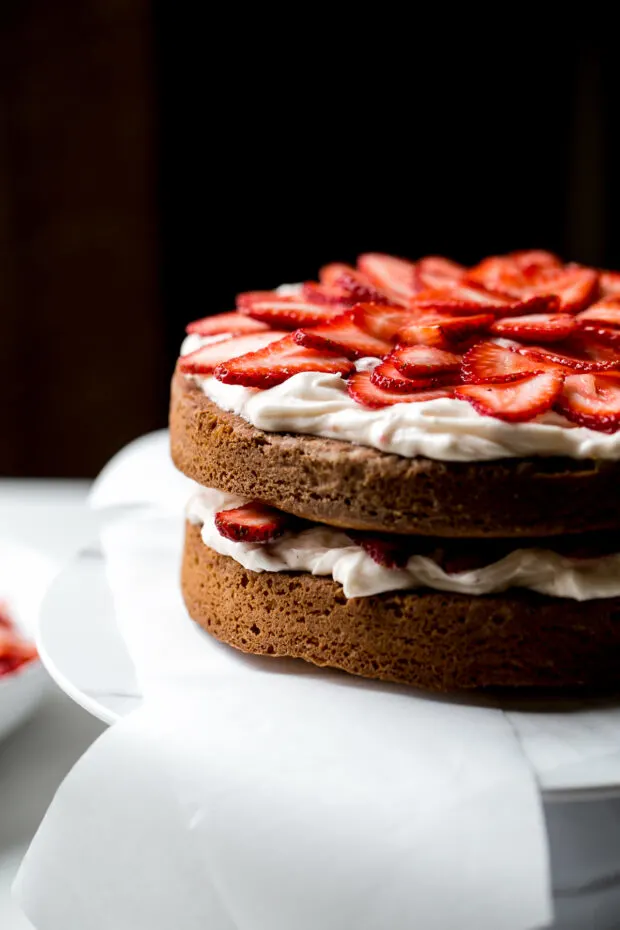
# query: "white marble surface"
34, 760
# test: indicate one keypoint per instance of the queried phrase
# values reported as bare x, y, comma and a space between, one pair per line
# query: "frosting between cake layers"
324, 550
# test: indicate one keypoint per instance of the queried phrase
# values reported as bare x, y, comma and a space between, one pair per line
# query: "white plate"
25, 575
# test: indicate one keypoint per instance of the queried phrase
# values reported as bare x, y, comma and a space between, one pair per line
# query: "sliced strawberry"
421, 361
577, 357
288, 313
255, 522
233, 323
206, 359
441, 331
389, 551
342, 335
592, 400
324, 294
516, 401
437, 272
461, 298
395, 277
604, 334
537, 327
605, 312
380, 320
329, 274
390, 378
367, 394
489, 363
610, 283
499, 273
349, 288
277, 362
576, 287
540, 303
248, 298
532, 261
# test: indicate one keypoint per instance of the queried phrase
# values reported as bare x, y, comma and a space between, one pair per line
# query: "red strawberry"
248, 298
329, 274
592, 400
290, 313
367, 394
441, 331
537, 327
343, 336
255, 522
610, 283
349, 287
583, 359
489, 363
515, 401
461, 298
205, 360
540, 303
395, 277
532, 261
500, 273
576, 287
380, 320
437, 272
233, 323
278, 362
325, 294
389, 551
424, 361
390, 378
605, 312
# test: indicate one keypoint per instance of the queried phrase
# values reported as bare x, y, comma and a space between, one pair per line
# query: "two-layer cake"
410, 471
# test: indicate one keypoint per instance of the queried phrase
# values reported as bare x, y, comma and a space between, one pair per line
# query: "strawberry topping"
610, 283
436, 272
385, 550
279, 361
604, 313
287, 313
441, 331
394, 277
206, 359
388, 377
367, 394
254, 522
424, 361
489, 363
233, 323
515, 401
536, 327
592, 400
342, 335
380, 320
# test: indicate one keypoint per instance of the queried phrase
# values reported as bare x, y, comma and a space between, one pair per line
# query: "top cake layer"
517, 358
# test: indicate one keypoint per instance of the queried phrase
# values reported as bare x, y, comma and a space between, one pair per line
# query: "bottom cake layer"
428, 639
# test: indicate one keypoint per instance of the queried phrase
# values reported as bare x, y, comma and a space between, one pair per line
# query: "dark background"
152, 165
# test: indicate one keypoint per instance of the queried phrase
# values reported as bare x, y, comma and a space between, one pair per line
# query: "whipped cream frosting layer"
446, 429
324, 550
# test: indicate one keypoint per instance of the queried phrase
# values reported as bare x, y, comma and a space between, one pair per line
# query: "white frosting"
446, 429
323, 550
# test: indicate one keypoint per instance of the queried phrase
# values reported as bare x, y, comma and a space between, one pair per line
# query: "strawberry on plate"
342, 335
592, 400
442, 331
255, 522
420, 361
233, 323
380, 320
367, 394
514, 401
206, 359
289, 313
394, 277
489, 363
278, 362
536, 327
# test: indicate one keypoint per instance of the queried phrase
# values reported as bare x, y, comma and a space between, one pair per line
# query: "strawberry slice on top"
278, 362
609, 283
576, 287
380, 320
443, 331
489, 363
592, 400
536, 327
394, 277
364, 392
206, 359
233, 323
255, 522
289, 313
434, 271
421, 361
605, 312
343, 336
514, 401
